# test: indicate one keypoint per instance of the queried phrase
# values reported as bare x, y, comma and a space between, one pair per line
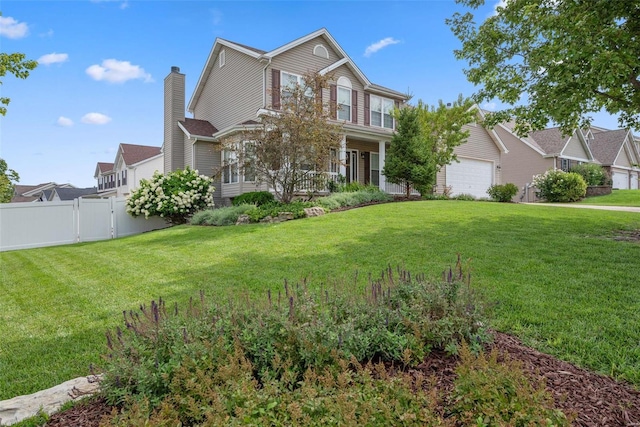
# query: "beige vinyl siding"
622, 159
231, 94
300, 59
522, 162
479, 146
574, 148
207, 162
188, 153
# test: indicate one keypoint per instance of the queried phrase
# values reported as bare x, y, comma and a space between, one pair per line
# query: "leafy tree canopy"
16, 64
562, 59
8, 178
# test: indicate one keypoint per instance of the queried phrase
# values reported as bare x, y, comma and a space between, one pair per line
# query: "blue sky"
102, 65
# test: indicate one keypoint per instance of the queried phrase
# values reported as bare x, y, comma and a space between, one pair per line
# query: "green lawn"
557, 278
616, 198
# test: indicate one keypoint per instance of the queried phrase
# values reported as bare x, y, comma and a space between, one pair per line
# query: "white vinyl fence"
33, 225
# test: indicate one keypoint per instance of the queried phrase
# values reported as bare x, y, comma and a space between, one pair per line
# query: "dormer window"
222, 58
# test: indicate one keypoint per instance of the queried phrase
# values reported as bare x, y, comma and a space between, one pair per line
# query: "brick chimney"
174, 106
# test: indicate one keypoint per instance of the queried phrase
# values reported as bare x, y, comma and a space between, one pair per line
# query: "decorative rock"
48, 401
267, 218
285, 216
314, 211
243, 219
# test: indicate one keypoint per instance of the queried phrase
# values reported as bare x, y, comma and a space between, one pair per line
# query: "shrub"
591, 173
346, 199
488, 393
227, 215
464, 196
502, 193
174, 197
275, 208
257, 198
435, 196
398, 319
559, 186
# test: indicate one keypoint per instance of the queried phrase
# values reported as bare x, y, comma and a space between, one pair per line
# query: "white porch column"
343, 156
382, 158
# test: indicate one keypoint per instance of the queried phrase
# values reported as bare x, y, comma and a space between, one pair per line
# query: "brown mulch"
595, 400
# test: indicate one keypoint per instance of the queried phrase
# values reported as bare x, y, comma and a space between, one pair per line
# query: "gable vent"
321, 51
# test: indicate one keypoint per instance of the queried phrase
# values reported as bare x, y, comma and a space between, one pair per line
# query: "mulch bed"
595, 400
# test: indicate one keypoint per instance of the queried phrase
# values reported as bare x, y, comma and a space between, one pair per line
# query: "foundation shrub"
465, 197
490, 393
559, 186
346, 199
502, 192
275, 208
591, 173
257, 198
227, 215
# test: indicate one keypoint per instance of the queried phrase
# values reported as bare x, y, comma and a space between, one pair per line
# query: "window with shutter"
275, 89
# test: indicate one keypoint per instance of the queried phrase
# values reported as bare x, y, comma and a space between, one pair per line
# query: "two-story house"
132, 163
240, 83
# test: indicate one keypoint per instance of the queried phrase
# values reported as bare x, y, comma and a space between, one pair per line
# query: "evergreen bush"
559, 186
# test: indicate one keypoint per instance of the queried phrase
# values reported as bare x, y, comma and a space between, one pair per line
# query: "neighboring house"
479, 164
132, 164
538, 152
35, 193
59, 194
239, 83
617, 152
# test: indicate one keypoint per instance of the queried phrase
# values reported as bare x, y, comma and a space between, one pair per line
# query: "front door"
352, 166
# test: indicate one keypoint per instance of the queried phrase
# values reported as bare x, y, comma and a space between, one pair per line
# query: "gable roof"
261, 55
551, 140
74, 193
132, 154
105, 167
197, 128
606, 145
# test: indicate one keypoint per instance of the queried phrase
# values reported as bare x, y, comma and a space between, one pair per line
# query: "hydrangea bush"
174, 197
560, 186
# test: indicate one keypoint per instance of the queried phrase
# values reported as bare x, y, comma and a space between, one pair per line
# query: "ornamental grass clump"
237, 358
174, 197
226, 215
560, 186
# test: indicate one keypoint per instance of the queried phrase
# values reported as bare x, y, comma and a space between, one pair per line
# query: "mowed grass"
616, 198
556, 277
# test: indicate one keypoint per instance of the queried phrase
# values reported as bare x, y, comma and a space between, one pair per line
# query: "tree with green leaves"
554, 60
16, 64
290, 149
424, 141
8, 178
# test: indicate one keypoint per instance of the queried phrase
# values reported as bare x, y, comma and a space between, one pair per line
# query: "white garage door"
620, 180
634, 180
470, 177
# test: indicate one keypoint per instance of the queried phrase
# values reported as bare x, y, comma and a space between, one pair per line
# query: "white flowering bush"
174, 197
560, 186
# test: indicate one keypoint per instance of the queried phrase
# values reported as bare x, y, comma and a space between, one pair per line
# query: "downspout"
264, 84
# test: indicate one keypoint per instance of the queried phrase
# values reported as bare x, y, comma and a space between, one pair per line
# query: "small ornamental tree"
291, 148
8, 179
593, 174
174, 197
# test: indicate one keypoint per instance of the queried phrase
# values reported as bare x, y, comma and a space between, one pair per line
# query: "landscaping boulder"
243, 219
49, 401
314, 211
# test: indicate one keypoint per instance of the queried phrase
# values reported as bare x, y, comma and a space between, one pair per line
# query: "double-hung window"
344, 103
249, 173
381, 109
288, 83
230, 167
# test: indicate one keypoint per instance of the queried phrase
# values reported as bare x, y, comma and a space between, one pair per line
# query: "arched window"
321, 51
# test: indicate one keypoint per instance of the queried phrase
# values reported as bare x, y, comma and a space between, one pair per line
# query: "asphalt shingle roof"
74, 193
133, 154
606, 145
199, 127
551, 140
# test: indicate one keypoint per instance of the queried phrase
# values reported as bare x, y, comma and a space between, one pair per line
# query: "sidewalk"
574, 205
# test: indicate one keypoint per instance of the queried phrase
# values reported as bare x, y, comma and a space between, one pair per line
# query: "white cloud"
373, 48
216, 16
47, 34
95, 119
490, 106
115, 71
12, 29
124, 5
64, 122
53, 58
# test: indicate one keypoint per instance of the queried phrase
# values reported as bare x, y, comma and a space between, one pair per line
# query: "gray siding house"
239, 83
